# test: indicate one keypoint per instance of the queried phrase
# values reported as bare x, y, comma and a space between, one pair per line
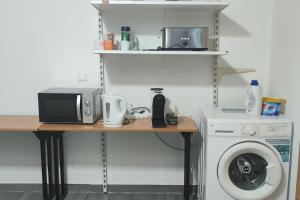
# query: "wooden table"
19, 123
52, 150
141, 125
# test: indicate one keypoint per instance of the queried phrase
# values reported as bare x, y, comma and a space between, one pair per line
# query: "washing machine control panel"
265, 131
250, 130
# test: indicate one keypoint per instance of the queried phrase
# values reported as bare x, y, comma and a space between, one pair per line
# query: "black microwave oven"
69, 105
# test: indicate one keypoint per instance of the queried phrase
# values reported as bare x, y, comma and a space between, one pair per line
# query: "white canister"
124, 45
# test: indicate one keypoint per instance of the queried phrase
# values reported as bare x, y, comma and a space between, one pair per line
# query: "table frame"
54, 170
51, 141
53, 165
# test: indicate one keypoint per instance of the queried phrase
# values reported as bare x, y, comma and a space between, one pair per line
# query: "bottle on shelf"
254, 99
108, 41
125, 38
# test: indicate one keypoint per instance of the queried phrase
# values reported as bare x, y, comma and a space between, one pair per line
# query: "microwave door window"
61, 108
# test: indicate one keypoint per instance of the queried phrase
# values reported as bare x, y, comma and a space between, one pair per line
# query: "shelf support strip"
216, 60
103, 144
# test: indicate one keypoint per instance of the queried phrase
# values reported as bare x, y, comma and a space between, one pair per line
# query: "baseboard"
172, 189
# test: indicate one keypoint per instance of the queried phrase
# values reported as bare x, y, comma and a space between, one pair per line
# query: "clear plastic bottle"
254, 99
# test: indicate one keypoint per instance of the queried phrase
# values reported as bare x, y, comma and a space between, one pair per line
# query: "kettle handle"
123, 99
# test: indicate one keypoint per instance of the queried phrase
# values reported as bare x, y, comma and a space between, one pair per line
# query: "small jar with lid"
108, 41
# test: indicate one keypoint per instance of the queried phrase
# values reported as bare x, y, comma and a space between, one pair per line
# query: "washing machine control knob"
87, 112
87, 103
251, 131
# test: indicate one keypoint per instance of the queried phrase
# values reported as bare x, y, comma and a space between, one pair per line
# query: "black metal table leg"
44, 165
56, 167
187, 150
43, 149
52, 163
64, 187
50, 166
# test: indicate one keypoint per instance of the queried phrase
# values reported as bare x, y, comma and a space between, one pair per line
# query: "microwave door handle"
78, 103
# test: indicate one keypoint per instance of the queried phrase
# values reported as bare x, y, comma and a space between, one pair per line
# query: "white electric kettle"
113, 111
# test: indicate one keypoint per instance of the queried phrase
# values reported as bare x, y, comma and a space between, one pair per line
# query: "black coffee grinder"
158, 108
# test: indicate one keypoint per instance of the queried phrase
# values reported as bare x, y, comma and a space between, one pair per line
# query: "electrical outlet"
82, 77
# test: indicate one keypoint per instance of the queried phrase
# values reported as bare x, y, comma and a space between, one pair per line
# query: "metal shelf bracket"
219, 72
222, 71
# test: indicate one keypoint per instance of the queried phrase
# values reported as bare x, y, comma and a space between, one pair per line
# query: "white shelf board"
161, 5
203, 53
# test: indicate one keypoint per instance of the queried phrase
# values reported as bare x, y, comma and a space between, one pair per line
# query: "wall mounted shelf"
161, 5
150, 5
222, 71
199, 53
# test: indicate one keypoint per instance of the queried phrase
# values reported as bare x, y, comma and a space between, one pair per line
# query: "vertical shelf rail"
100, 31
102, 90
216, 60
104, 161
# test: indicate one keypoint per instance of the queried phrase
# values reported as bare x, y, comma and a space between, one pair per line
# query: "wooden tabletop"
141, 125
18, 123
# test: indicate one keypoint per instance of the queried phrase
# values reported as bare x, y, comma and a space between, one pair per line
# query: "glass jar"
108, 41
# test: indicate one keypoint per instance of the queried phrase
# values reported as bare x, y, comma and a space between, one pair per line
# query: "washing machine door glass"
249, 171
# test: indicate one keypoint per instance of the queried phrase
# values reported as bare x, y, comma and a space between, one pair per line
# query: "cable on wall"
170, 146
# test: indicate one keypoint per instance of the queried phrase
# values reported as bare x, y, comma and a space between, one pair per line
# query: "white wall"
48, 43
246, 29
284, 72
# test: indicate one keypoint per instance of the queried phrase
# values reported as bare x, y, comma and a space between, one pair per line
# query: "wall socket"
82, 77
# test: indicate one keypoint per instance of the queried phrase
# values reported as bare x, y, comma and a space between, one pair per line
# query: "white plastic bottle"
254, 99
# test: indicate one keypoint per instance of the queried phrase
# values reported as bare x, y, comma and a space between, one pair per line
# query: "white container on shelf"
254, 99
124, 45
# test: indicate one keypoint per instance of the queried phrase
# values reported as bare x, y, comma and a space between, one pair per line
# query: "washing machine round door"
249, 171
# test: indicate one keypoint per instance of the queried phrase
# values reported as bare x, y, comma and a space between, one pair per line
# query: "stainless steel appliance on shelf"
69, 105
185, 38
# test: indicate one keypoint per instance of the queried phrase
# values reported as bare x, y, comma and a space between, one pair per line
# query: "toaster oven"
185, 38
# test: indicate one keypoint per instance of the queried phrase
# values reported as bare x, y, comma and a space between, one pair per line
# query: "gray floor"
91, 196
88, 192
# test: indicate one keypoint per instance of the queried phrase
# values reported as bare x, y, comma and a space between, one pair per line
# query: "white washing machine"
247, 158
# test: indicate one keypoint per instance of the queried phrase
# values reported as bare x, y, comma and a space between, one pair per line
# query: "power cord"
140, 110
183, 115
167, 144
170, 146
176, 45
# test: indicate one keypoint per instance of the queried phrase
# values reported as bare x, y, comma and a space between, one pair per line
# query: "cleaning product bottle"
254, 99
